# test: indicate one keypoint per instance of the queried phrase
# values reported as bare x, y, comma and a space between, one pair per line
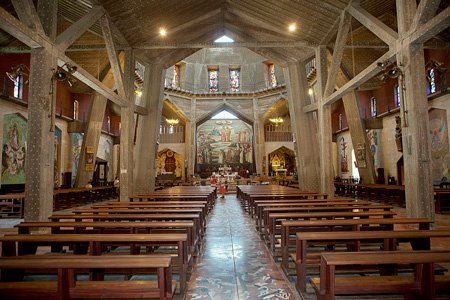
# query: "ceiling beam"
27, 14
195, 21
361, 78
255, 44
381, 30
329, 35
338, 52
433, 27
113, 56
425, 11
71, 34
310, 107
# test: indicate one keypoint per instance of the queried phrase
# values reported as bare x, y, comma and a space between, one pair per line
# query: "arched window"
397, 95
432, 80
341, 122
373, 107
76, 107
176, 76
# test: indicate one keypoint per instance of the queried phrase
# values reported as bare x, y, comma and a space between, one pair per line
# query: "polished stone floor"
235, 263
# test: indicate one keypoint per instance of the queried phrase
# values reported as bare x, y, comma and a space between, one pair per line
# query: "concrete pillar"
127, 131
190, 139
39, 161
358, 133
148, 130
324, 124
415, 122
91, 138
307, 148
258, 128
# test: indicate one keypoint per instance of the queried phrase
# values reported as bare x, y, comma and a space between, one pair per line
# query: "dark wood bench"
11, 205
423, 284
387, 240
289, 228
95, 243
67, 287
275, 219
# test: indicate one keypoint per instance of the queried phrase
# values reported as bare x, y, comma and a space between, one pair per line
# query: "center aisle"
235, 263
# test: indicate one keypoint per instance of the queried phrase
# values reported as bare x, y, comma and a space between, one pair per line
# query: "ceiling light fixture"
276, 121
162, 31
292, 27
310, 91
172, 121
138, 92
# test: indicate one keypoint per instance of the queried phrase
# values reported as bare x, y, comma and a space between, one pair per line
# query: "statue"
398, 133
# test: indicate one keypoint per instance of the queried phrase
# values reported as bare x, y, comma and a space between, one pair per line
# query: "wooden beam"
381, 30
310, 107
431, 28
140, 110
71, 34
27, 13
251, 44
361, 78
327, 38
20, 31
113, 57
85, 77
425, 11
195, 21
338, 52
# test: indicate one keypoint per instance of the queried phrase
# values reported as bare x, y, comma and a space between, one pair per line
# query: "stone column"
91, 137
190, 141
307, 148
148, 130
324, 124
259, 138
39, 161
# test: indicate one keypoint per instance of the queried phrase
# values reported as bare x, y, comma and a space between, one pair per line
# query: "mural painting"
439, 144
77, 142
14, 148
169, 163
343, 155
224, 143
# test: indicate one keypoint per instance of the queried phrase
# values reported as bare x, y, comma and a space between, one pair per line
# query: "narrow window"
76, 107
213, 80
397, 95
373, 107
432, 80
235, 77
176, 76
108, 120
18, 86
271, 76
341, 122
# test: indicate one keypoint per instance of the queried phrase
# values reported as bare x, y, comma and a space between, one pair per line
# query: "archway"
282, 158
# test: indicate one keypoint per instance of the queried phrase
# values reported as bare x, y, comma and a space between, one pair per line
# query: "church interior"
237, 149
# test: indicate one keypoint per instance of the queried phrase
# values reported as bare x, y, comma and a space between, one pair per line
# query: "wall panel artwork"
439, 144
169, 163
14, 148
224, 142
77, 142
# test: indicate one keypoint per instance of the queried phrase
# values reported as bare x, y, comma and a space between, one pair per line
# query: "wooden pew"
423, 284
186, 227
289, 228
28, 243
419, 239
274, 220
67, 287
11, 205
440, 194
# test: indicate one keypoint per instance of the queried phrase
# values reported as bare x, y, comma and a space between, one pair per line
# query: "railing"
171, 134
310, 67
278, 133
202, 88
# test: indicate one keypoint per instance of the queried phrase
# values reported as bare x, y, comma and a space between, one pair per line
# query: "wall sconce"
18, 71
383, 64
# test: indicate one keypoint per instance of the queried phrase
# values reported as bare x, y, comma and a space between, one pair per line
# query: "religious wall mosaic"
14, 148
439, 144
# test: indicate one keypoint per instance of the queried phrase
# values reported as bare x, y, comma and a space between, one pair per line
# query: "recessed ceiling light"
292, 27
224, 39
162, 31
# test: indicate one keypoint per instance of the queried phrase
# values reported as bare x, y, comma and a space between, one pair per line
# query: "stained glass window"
76, 107
271, 75
176, 76
213, 80
341, 122
108, 122
373, 107
18, 86
432, 81
397, 95
235, 76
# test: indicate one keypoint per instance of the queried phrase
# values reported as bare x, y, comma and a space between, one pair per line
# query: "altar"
280, 172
